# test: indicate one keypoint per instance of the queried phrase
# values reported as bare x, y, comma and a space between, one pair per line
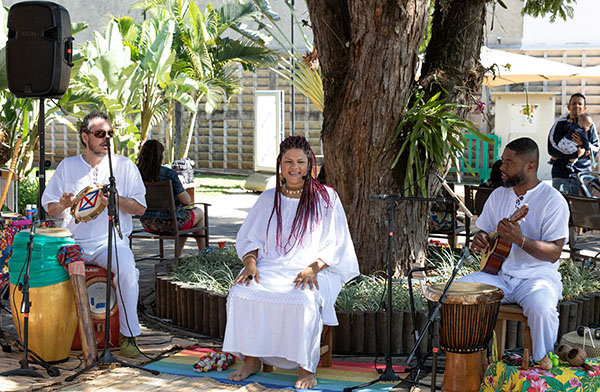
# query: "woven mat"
574, 340
341, 375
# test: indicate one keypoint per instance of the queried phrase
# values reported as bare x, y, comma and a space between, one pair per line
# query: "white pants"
126, 277
538, 297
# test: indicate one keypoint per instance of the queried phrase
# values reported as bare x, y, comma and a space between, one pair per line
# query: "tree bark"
368, 54
453, 53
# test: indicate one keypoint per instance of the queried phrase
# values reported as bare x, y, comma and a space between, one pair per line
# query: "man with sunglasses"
92, 167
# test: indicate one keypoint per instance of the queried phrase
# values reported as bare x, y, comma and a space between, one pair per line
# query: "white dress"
272, 320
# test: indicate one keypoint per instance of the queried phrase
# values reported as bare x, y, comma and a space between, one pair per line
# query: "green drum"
52, 316
44, 269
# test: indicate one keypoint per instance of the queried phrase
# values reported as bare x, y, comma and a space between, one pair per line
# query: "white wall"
509, 125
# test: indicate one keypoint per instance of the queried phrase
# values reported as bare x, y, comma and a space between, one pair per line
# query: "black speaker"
39, 50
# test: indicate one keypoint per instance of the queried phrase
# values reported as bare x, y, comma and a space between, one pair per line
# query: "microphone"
461, 205
34, 222
467, 257
304, 177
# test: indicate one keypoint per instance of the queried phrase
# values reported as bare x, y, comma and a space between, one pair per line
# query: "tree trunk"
368, 54
180, 115
188, 132
169, 132
454, 49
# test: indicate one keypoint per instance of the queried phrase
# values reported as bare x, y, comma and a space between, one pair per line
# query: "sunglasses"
101, 134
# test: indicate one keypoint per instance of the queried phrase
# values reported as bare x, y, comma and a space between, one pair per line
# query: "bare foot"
306, 379
251, 365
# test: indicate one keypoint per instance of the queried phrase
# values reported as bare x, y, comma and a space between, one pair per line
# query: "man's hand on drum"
510, 231
66, 200
481, 240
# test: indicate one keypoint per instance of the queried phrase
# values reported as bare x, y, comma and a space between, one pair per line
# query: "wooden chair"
512, 312
326, 349
585, 213
159, 197
475, 198
456, 227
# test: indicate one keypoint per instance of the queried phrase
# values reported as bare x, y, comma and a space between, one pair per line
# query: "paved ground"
226, 213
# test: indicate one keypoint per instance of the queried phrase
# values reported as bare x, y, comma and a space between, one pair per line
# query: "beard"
514, 180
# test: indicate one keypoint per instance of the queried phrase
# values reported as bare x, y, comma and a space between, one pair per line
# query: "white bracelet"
523, 243
246, 256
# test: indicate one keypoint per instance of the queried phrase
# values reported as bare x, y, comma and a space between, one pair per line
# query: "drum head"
465, 293
87, 205
57, 232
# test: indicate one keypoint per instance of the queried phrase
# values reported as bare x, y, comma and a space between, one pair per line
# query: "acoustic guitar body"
494, 255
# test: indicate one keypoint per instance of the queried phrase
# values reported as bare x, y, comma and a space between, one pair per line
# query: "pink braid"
310, 201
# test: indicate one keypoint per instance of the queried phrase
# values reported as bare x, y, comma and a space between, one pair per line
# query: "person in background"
495, 179
565, 130
150, 165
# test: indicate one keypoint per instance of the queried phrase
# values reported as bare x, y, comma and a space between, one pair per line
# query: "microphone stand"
25, 307
113, 218
391, 203
434, 316
416, 370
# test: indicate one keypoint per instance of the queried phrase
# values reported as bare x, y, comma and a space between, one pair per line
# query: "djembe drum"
468, 317
52, 317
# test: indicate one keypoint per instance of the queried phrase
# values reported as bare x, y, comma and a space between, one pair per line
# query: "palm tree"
206, 55
302, 71
150, 44
106, 78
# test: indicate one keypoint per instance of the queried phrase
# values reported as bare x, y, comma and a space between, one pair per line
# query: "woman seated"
297, 254
149, 164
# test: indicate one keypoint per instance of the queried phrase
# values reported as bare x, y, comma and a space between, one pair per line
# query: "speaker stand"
42, 164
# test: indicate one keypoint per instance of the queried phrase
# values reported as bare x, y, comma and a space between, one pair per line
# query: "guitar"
494, 255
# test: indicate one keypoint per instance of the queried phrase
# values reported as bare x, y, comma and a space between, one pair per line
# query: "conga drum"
52, 316
95, 282
468, 317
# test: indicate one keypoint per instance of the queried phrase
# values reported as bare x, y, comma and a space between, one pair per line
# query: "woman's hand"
249, 272
308, 276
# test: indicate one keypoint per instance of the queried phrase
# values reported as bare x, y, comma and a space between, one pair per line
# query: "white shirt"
73, 174
547, 220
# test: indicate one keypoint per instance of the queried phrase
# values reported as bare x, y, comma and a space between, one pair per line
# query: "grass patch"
218, 184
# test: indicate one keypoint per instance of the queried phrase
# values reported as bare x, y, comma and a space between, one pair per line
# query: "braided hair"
313, 194
150, 160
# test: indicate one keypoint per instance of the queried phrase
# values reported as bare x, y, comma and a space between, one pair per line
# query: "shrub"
28, 193
578, 280
213, 269
368, 292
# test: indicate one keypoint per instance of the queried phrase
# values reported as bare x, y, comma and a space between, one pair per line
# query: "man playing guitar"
529, 275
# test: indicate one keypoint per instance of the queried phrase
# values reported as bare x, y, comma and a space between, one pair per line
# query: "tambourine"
87, 206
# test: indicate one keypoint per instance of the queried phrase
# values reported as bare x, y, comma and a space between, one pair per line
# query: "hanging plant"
431, 134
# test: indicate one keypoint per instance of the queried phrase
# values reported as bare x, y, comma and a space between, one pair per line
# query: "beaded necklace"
292, 191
